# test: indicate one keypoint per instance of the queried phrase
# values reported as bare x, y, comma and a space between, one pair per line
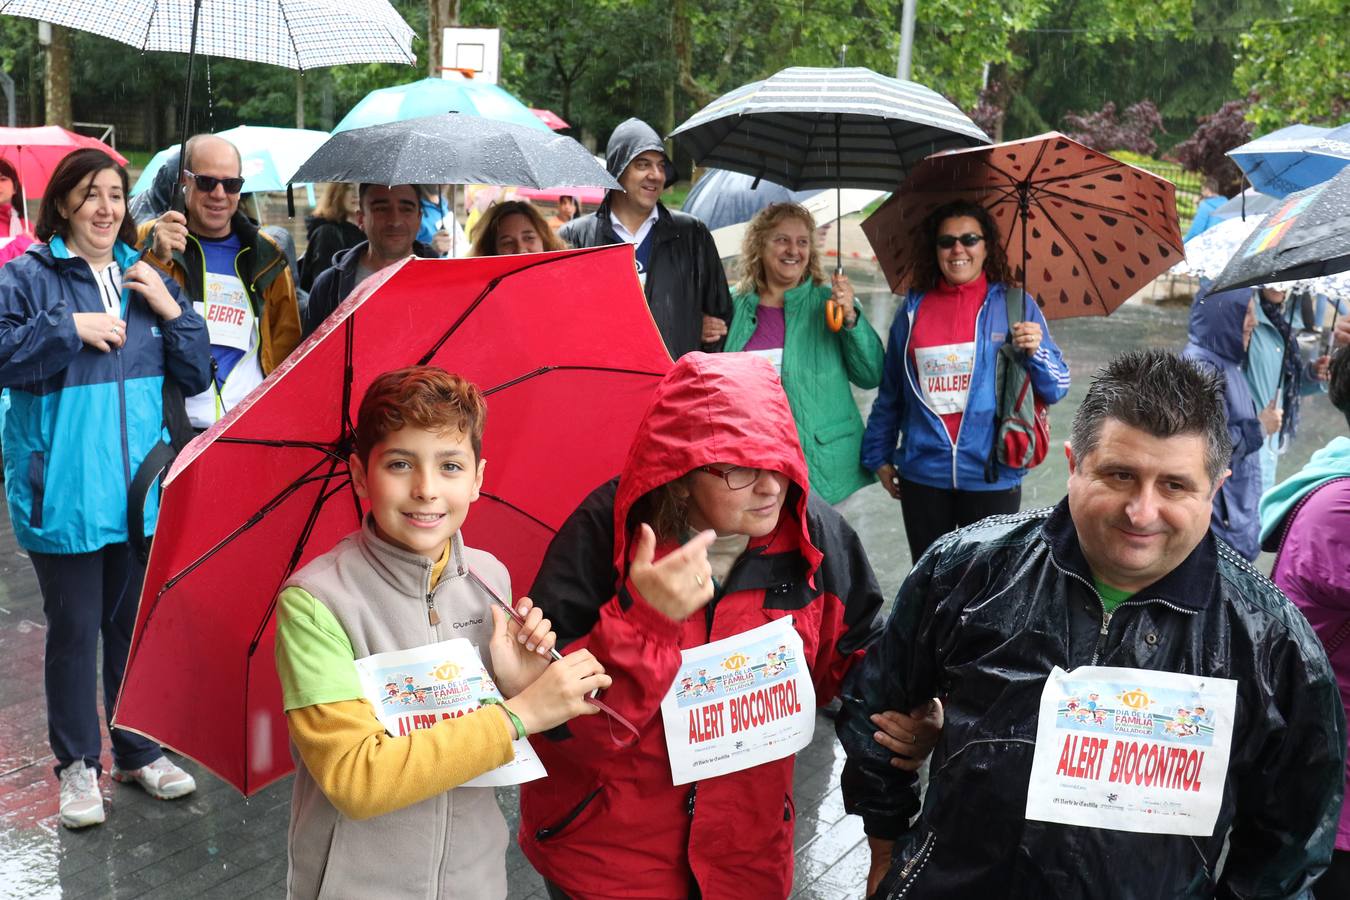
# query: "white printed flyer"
738, 702
416, 688
1132, 750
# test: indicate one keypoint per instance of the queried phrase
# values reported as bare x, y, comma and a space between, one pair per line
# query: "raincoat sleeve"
716, 295
1289, 801
1049, 373
187, 345
851, 597
888, 409
36, 341
899, 672
864, 357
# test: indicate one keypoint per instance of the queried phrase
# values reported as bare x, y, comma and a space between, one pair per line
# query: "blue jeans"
85, 595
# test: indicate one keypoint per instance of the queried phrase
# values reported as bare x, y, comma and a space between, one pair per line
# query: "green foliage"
1297, 65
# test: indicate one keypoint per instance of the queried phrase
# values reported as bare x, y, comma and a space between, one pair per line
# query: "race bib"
416, 688
228, 314
739, 702
1132, 750
944, 375
773, 355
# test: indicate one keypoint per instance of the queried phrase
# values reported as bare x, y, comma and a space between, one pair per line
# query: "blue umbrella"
435, 96
1293, 158
722, 198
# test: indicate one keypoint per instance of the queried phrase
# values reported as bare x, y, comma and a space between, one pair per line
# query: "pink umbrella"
592, 196
35, 152
550, 118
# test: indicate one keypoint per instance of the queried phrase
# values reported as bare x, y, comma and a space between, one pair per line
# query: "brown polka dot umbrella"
1081, 231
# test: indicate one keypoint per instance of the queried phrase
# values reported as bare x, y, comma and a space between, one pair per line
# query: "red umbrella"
550, 118
34, 153
592, 196
568, 356
1082, 231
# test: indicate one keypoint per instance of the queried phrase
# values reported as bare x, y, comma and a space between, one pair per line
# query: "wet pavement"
218, 844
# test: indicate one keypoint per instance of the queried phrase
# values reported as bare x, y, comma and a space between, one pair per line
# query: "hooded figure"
609, 822
677, 259
1218, 336
152, 203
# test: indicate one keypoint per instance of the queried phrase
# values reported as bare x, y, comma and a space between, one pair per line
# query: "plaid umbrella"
295, 34
1081, 230
1306, 236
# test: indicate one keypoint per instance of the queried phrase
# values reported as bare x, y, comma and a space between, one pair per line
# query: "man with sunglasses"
236, 276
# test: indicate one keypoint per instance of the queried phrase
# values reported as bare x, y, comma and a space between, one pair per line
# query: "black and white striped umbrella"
295, 34
817, 128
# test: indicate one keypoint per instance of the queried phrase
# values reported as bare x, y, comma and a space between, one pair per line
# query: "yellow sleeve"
364, 772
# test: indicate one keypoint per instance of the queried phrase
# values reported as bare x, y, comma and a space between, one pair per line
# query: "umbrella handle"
176, 196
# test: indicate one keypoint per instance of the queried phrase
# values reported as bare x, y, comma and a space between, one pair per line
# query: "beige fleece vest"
451, 845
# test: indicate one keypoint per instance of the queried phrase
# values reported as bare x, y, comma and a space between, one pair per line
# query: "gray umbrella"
1307, 235
454, 149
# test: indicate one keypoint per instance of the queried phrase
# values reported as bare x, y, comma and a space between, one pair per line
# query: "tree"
1297, 65
1205, 150
1102, 131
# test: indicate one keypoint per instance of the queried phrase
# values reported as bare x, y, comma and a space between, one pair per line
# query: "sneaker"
161, 779
81, 802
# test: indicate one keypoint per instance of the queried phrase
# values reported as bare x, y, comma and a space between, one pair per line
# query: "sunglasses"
207, 183
948, 241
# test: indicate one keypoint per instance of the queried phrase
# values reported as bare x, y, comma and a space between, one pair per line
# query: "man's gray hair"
193, 141
1161, 394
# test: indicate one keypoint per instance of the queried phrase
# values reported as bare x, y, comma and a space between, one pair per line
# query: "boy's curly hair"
423, 397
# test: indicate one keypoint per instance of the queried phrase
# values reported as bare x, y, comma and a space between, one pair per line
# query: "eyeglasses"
737, 477
207, 183
948, 241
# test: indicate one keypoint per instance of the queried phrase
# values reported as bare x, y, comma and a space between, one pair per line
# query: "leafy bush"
1204, 151
1102, 131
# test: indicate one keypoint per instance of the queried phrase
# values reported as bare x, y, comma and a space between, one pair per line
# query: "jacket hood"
56, 250
628, 140
1332, 461
1216, 323
347, 260
154, 201
714, 408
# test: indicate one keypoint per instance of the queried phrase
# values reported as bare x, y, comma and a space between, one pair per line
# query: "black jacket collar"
1190, 585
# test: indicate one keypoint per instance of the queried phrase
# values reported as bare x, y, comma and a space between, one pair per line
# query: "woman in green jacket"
782, 311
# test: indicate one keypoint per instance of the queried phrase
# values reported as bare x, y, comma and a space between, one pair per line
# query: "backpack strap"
156, 463
1014, 298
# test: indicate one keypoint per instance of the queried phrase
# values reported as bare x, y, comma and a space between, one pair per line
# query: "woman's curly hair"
926, 273
756, 243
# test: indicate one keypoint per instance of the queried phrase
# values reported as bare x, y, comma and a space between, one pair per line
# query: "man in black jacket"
1123, 692
677, 260
390, 217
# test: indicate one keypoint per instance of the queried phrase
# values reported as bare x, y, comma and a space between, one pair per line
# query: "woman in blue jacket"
938, 387
87, 335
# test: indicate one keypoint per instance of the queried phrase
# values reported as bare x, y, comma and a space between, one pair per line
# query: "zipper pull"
1106, 623
432, 615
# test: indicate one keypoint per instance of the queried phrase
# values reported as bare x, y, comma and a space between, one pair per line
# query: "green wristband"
521, 733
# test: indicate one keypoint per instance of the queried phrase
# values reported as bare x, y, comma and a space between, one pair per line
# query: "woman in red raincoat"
714, 530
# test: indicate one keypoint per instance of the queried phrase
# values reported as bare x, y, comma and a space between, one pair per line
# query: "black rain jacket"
981, 621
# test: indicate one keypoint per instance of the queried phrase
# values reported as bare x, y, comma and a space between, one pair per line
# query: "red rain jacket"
607, 822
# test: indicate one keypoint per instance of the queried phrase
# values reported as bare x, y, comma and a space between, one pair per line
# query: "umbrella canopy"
1209, 252
1306, 236
1081, 231
455, 149
434, 96
584, 195
35, 152
550, 118
818, 128
824, 206
722, 198
1293, 158
1251, 203
295, 34
269, 155
266, 489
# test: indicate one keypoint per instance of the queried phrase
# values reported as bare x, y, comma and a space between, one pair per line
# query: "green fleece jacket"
818, 365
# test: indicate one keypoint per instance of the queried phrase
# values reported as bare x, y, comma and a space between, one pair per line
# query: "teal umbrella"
434, 96
269, 155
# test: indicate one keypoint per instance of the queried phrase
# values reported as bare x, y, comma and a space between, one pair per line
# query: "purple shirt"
770, 329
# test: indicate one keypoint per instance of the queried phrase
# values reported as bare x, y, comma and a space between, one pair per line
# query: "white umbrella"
825, 207
1210, 251
295, 34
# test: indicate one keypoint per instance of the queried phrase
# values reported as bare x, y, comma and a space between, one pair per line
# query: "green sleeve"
315, 660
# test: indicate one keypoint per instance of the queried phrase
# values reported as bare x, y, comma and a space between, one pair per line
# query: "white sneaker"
161, 779
81, 802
